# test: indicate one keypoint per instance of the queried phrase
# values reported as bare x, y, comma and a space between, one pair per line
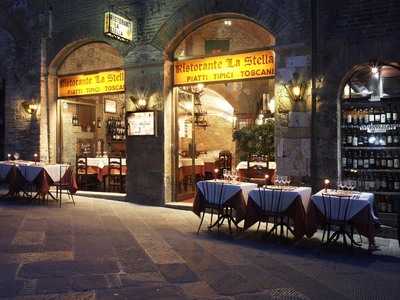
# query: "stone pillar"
293, 119
145, 154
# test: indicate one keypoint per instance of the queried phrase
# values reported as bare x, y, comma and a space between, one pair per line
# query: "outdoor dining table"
293, 203
361, 214
19, 174
223, 193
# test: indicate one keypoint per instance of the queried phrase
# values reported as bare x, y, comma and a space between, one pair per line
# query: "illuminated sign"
257, 64
118, 27
90, 84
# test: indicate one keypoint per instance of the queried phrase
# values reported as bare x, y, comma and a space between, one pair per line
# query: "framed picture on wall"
110, 106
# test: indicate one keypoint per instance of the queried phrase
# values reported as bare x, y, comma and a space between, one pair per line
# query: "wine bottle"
355, 139
389, 160
396, 184
383, 161
388, 115
360, 162
383, 116
355, 161
371, 116
396, 162
371, 160
365, 160
395, 115
377, 116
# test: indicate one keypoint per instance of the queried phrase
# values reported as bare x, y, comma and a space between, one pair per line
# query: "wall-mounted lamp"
140, 102
30, 107
296, 88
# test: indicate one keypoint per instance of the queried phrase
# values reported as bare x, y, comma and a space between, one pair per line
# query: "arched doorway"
90, 105
200, 130
369, 131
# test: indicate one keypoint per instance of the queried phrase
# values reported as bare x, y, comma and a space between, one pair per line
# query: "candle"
35, 157
326, 183
266, 179
9, 156
216, 173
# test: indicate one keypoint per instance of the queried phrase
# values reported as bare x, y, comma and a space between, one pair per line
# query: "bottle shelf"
371, 147
373, 170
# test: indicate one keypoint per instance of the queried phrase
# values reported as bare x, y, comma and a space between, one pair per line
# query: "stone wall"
21, 27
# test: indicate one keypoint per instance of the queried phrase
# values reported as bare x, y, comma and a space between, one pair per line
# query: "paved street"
102, 249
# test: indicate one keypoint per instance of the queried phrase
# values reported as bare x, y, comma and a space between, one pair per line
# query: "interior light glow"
227, 22
296, 91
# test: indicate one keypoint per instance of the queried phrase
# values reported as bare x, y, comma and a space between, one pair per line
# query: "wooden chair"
115, 176
63, 184
271, 205
337, 220
256, 172
85, 178
225, 161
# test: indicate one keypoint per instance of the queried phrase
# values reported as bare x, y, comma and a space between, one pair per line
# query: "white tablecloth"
286, 198
101, 162
187, 162
243, 165
356, 205
214, 190
30, 170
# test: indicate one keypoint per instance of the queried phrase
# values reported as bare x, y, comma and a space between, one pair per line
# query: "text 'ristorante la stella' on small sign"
90, 84
242, 66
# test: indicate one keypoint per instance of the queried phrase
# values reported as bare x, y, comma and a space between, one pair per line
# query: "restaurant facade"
167, 84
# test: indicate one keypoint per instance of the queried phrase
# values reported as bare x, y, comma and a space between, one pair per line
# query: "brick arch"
197, 13
65, 52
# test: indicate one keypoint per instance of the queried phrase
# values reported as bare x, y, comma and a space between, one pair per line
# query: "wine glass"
16, 155
278, 180
225, 174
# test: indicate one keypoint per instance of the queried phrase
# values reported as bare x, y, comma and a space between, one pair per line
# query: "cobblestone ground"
102, 249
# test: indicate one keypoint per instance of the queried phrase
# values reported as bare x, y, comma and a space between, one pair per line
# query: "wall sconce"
139, 102
296, 88
30, 107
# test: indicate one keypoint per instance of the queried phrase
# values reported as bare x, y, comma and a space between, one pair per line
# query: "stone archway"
196, 13
82, 56
169, 39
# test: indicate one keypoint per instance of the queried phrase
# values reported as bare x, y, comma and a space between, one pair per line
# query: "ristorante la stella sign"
241, 66
90, 84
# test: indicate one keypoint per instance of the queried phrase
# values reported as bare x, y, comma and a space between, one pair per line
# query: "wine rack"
116, 129
370, 149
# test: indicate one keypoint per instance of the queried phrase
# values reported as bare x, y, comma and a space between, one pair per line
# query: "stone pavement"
102, 249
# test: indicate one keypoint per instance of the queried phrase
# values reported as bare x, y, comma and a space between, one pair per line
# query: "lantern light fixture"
296, 88
30, 107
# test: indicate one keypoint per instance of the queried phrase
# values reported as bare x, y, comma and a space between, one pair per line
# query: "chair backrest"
81, 165
225, 160
337, 207
63, 170
115, 165
270, 199
213, 192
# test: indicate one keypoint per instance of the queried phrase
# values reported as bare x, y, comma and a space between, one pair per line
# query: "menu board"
141, 123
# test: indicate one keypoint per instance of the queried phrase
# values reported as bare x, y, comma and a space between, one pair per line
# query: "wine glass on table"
16, 156
278, 180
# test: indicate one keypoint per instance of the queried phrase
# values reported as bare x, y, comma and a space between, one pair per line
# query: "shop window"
370, 134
